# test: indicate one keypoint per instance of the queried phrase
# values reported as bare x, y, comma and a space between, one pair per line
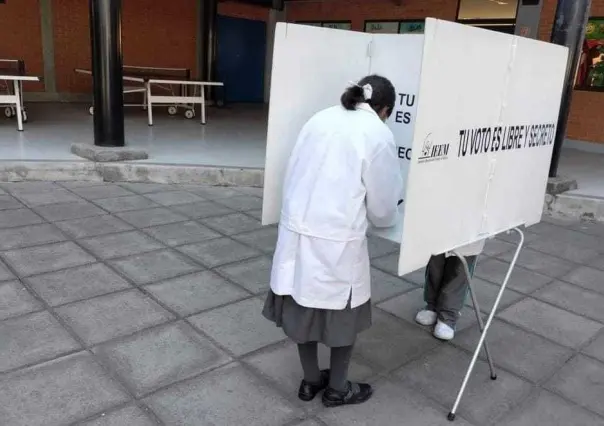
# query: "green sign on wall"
411, 27
595, 29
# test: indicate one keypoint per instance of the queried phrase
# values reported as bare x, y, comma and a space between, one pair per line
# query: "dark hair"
384, 95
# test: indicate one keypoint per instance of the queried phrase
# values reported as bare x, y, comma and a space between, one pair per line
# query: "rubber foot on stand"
451, 417
494, 377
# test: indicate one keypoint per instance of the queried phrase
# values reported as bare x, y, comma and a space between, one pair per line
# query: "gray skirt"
331, 327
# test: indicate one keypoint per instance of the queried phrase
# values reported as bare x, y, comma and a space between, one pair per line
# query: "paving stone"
160, 357
16, 300
232, 224
58, 392
228, 396
379, 247
32, 338
120, 245
53, 196
81, 183
264, 239
147, 188
513, 237
558, 233
242, 202
31, 235
547, 409
589, 228
5, 274
384, 286
32, 186
123, 204
281, 365
250, 190
7, 202
155, 266
226, 327
550, 322
219, 252
387, 263
151, 217
172, 198
542, 263
587, 277
48, 258
254, 274
214, 192
581, 381
102, 191
439, 376
574, 299
69, 211
176, 234
494, 247
393, 404
598, 263
565, 250
70, 285
130, 416
596, 348
114, 315
93, 226
486, 293
18, 217
309, 422
256, 214
398, 342
202, 210
520, 352
196, 292
521, 280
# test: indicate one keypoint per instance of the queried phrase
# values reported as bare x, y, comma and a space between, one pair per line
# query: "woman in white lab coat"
343, 173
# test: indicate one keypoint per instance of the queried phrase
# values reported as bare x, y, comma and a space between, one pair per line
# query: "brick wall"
21, 37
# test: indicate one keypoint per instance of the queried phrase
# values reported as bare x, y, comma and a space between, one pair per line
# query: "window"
339, 25
487, 9
394, 27
590, 73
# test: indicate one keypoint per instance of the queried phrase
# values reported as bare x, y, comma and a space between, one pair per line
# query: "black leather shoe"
357, 393
308, 391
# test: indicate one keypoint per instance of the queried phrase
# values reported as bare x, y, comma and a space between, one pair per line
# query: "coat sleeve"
383, 182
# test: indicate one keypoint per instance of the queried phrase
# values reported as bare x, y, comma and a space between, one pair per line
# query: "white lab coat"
343, 171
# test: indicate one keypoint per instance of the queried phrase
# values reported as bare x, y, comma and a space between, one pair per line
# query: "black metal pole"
207, 33
105, 36
569, 30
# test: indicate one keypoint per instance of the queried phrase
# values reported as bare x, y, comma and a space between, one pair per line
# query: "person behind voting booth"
343, 173
446, 289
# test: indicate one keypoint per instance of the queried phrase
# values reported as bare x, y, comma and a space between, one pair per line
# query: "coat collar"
365, 107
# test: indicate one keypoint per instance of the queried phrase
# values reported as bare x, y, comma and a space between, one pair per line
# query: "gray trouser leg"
449, 297
434, 280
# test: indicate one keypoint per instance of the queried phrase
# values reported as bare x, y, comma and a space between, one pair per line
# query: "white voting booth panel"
312, 66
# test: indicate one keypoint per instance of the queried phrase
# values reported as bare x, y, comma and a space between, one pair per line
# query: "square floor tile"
218, 252
486, 293
495, 247
29, 186
520, 352
130, 416
155, 266
232, 224
18, 217
194, 293
48, 258
81, 184
598, 263
151, 217
388, 263
171, 198
264, 239
228, 396
256, 214
596, 348
250, 190
176, 234
16, 300
101, 191
574, 299
114, 315
553, 323
564, 250
202, 210
58, 393
253, 274
242, 202
69, 211
226, 327
147, 188
540, 262
5, 273
93, 226
379, 247
581, 381
160, 356
586, 277
214, 192
32, 338
384, 286
52, 196
70, 285
547, 409
521, 280
124, 204
439, 376
7, 202
31, 235
120, 245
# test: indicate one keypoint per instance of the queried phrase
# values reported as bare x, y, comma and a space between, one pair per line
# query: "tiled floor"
587, 168
139, 305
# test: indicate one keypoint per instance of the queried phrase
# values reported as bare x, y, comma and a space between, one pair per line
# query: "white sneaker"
426, 317
443, 332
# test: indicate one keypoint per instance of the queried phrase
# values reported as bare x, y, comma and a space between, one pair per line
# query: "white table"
14, 101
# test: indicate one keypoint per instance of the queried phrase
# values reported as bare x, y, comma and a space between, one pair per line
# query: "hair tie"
367, 90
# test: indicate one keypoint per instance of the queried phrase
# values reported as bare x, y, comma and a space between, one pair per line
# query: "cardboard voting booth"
474, 122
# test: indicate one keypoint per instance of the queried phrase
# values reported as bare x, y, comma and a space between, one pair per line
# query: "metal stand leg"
483, 335
203, 105
18, 95
149, 104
